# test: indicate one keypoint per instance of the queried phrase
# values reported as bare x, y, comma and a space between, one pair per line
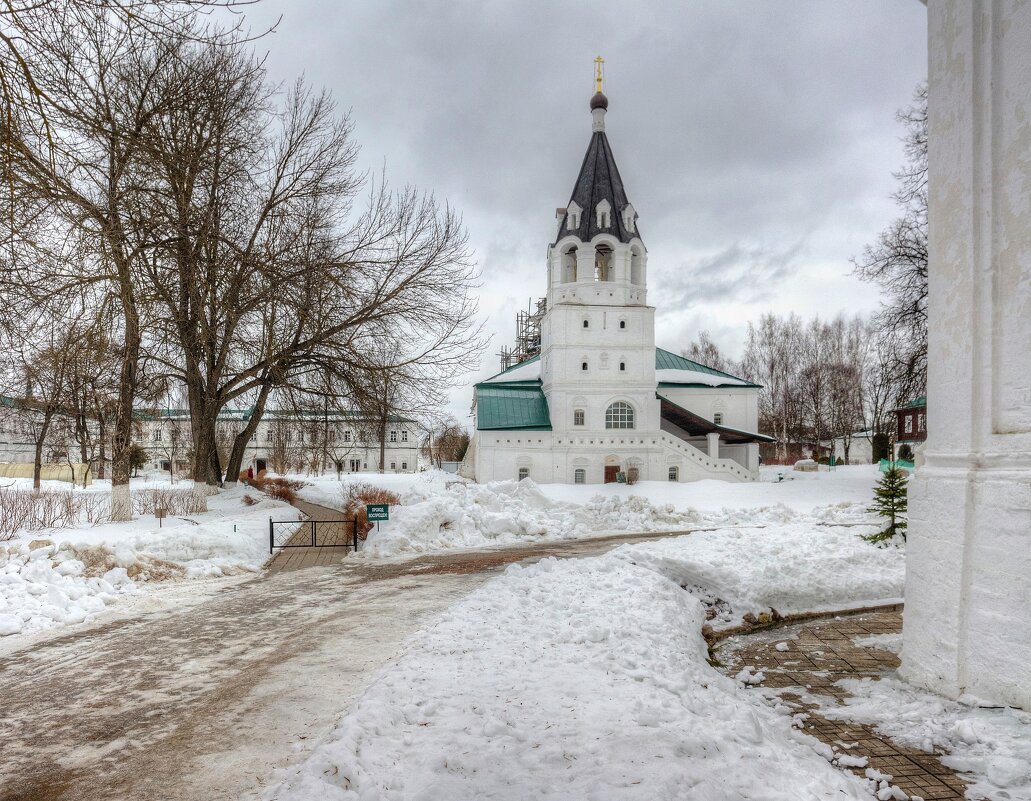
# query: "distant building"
286, 441
860, 448
911, 424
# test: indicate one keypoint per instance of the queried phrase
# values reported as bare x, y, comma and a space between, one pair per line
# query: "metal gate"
312, 534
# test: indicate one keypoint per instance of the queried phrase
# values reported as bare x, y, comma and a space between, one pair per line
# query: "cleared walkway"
819, 654
202, 701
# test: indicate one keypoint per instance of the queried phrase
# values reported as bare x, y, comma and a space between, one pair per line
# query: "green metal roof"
664, 360
916, 403
509, 406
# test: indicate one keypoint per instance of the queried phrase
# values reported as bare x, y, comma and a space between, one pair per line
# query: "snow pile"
72, 574
43, 587
991, 747
791, 567
439, 511
579, 679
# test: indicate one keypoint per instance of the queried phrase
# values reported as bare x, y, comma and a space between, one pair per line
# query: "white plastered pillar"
967, 620
714, 444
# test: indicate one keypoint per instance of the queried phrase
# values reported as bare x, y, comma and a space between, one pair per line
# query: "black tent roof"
599, 179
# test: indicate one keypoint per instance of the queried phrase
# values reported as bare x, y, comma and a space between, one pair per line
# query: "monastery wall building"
600, 402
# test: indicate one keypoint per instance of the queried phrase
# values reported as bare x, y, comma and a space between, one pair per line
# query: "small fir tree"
890, 501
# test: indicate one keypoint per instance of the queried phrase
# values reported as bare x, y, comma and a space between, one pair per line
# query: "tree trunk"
37, 465
241, 440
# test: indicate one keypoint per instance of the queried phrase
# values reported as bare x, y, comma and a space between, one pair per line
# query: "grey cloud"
732, 124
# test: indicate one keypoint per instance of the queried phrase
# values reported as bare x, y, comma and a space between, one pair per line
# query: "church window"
579, 476
604, 214
578, 417
604, 361
393, 436
587, 323
404, 436
602, 263
622, 323
404, 465
629, 218
718, 418
636, 265
674, 473
524, 472
622, 367
583, 366
573, 216
619, 415
347, 436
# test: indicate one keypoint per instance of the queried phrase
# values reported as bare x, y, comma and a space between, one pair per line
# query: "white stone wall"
967, 625
739, 407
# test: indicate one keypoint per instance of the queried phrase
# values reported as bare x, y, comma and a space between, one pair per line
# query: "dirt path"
202, 701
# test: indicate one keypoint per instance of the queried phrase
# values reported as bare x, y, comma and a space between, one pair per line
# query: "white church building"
600, 402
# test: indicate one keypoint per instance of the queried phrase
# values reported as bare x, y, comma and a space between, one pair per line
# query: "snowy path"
203, 700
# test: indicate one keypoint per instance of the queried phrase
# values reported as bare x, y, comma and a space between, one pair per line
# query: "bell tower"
598, 335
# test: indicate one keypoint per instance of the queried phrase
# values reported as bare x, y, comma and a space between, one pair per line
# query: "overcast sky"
755, 139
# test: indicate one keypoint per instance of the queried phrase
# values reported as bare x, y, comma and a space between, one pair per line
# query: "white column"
967, 622
714, 444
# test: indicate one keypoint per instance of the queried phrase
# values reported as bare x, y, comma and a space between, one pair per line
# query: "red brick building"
911, 424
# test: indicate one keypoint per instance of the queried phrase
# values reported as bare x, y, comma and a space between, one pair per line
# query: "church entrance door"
611, 470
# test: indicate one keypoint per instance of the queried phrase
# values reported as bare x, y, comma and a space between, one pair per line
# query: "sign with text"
375, 512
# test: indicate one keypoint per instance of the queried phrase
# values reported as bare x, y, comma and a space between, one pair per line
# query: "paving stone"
821, 653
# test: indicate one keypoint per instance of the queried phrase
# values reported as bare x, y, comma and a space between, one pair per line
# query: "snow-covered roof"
696, 377
670, 369
530, 370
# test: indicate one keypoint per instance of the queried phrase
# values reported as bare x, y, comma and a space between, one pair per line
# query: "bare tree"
897, 262
705, 351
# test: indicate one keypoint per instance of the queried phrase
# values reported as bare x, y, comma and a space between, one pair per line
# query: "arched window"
579, 476
636, 267
587, 323
602, 263
583, 366
619, 415
569, 266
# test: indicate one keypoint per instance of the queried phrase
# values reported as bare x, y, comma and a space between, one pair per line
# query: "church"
599, 402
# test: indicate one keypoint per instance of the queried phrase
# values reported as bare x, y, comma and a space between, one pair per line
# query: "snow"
671, 376
73, 574
527, 371
441, 511
990, 746
581, 679
794, 566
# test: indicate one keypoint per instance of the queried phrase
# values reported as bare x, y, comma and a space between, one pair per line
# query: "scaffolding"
528, 335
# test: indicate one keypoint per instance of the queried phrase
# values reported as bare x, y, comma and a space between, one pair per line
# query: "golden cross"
597, 73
